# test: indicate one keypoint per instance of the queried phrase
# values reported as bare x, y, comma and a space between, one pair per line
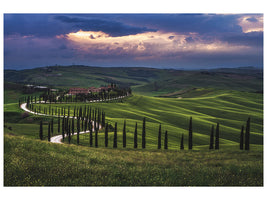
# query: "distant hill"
148, 81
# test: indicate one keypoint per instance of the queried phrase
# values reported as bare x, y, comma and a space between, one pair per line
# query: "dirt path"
57, 138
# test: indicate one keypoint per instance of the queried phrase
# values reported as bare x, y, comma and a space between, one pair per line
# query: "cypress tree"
217, 135
63, 128
182, 142
190, 138
115, 136
82, 123
69, 132
124, 134
52, 126
48, 136
41, 130
166, 140
144, 134
159, 137
247, 134
72, 126
135, 136
58, 125
106, 135
96, 138
242, 138
78, 131
91, 133
211, 137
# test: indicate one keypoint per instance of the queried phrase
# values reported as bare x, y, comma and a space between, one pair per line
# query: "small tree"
166, 140
78, 131
135, 136
115, 136
96, 138
72, 126
159, 137
124, 134
91, 133
58, 125
242, 138
63, 128
247, 134
68, 132
48, 136
106, 135
182, 142
217, 137
41, 130
190, 138
144, 134
52, 126
211, 137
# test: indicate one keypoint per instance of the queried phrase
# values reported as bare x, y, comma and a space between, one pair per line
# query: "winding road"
58, 138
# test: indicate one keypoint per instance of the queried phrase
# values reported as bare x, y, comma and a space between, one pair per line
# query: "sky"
187, 41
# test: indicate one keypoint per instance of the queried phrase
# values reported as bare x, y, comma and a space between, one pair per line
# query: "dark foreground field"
30, 162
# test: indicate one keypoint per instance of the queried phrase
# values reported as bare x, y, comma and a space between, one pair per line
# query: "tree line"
94, 123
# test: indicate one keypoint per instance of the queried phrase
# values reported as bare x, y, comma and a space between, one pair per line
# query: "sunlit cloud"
147, 45
251, 23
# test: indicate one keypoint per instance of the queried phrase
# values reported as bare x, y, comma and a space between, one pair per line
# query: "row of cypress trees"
68, 129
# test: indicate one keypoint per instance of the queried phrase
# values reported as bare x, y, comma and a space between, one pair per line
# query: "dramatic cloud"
154, 40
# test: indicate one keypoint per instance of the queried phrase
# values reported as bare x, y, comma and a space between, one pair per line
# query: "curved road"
58, 138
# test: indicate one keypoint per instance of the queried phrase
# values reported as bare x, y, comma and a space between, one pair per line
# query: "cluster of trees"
86, 120
49, 97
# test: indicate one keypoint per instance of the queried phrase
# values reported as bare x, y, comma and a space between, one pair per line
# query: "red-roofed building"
73, 91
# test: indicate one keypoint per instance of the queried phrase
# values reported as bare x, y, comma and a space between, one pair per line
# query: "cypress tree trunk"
211, 137
115, 136
135, 136
63, 128
41, 130
72, 126
247, 134
217, 137
166, 140
91, 134
52, 126
78, 131
96, 138
242, 138
190, 138
58, 125
182, 142
48, 136
144, 134
124, 134
106, 135
159, 137
69, 132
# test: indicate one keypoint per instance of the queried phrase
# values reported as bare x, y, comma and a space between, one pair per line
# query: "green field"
162, 97
228, 108
36, 163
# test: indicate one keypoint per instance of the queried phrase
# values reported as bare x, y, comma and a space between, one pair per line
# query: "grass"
229, 108
29, 162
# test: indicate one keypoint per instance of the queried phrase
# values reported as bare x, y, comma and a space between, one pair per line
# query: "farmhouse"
73, 91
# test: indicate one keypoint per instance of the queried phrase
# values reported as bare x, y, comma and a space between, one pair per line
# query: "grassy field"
144, 81
30, 162
229, 108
